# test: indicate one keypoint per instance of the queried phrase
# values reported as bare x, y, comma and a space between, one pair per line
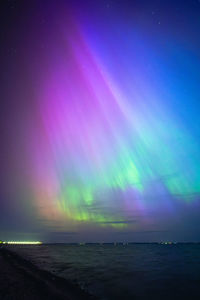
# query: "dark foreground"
107, 271
20, 279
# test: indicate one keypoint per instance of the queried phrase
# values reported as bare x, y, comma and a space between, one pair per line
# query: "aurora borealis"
101, 119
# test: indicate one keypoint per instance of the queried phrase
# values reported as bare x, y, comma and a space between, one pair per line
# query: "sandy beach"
20, 279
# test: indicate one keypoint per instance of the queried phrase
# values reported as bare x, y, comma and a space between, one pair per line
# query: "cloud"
62, 233
140, 232
119, 222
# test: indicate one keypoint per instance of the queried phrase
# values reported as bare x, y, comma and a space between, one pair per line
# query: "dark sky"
100, 128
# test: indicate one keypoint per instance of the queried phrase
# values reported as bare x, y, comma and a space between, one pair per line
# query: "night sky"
100, 127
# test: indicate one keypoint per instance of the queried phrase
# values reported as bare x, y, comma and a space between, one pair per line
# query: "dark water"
134, 271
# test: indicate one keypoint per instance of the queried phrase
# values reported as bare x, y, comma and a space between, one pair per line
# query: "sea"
123, 271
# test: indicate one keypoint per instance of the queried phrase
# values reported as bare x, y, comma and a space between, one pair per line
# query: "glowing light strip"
22, 243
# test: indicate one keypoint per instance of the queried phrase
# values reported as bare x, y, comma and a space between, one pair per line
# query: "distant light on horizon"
22, 243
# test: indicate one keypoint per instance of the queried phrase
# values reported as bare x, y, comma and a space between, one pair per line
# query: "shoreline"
20, 279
